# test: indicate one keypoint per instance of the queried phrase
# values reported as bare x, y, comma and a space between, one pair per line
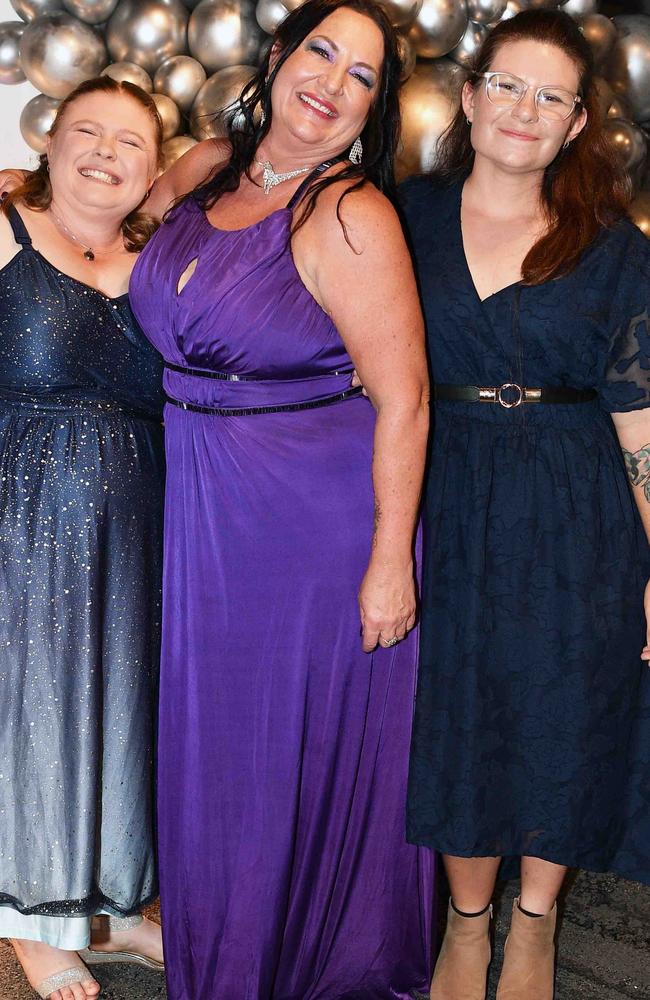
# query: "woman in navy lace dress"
532, 729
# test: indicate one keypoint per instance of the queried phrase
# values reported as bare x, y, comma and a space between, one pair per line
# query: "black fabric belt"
511, 394
244, 411
226, 377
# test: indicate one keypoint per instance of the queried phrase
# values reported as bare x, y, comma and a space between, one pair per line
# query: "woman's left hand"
645, 652
387, 605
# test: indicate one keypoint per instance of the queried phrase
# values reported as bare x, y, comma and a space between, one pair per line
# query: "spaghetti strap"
18, 228
302, 188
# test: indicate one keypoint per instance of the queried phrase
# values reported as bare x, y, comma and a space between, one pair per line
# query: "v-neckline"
468, 270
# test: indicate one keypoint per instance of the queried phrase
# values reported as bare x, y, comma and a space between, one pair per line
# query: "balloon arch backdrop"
196, 55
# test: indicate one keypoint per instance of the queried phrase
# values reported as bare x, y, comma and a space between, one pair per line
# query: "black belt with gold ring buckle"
511, 394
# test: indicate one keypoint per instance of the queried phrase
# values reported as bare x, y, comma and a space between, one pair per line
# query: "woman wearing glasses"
532, 729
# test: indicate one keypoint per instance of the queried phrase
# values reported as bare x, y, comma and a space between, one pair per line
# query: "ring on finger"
391, 642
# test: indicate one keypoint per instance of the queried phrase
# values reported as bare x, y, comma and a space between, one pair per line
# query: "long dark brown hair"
36, 190
380, 135
585, 187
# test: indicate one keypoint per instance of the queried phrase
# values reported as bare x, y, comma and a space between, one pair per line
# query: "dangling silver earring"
356, 152
566, 144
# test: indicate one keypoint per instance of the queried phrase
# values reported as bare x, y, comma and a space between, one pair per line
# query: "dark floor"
603, 953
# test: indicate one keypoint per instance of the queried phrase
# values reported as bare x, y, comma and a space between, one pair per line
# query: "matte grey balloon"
402, 12
601, 34
217, 101
224, 33
486, 11
470, 43
170, 116
629, 64
429, 100
439, 27
147, 32
269, 14
10, 35
29, 9
180, 78
131, 73
174, 148
37, 119
58, 52
91, 11
580, 8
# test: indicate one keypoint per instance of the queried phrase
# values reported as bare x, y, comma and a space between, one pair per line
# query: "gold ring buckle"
517, 402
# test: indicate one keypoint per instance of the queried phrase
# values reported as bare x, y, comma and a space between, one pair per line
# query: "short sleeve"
626, 382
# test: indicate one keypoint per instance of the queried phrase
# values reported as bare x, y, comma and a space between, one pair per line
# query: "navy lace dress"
532, 727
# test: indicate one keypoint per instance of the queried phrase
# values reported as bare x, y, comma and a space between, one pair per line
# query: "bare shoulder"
188, 172
361, 214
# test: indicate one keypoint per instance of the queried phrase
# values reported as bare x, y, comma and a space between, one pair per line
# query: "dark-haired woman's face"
104, 153
519, 137
324, 91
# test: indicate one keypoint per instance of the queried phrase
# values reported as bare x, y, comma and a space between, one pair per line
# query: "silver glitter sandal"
67, 977
93, 957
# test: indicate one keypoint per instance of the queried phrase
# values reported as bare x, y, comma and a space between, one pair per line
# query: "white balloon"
147, 32
224, 33
37, 119
217, 101
439, 27
129, 73
10, 34
58, 52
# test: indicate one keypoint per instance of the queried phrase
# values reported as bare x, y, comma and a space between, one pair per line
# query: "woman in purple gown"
289, 654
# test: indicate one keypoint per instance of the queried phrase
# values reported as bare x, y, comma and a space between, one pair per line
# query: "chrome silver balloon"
466, 50
169, 114
628, 69
439, 27
91, 11
629, 142
174, 148
293, 4
269, 14
601, 34
37, 119
147, 32
130, 73
513, 7
58, 52
402, 12
640, 212
486, 11
580, 8
407, 54
224, 33
217, 101
29, 9
180, 78
10, 34
429, 100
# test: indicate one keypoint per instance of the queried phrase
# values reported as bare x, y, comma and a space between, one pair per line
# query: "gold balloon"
147, 32
37, 119
10, 34
180, 78
640, 212
601, 34
439, 27
429, 100
174, 148
58, 52
169, 114
217, 101
129, 73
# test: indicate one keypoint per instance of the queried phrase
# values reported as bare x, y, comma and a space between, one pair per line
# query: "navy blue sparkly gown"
532, 726
81, 480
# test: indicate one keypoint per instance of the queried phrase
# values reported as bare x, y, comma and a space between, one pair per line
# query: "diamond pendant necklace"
271, 179
89, 253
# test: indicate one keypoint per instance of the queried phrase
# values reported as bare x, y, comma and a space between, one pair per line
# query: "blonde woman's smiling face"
323, 93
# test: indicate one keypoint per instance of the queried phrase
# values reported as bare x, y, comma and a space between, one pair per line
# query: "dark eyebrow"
336, 49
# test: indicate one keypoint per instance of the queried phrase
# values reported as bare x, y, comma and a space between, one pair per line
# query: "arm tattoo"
638, 468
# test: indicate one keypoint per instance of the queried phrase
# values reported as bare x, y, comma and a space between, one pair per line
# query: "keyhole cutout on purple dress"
186, 275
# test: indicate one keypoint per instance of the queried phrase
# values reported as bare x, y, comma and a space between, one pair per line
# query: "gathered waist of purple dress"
225, 394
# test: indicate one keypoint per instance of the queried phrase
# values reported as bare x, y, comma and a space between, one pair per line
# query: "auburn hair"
586, 186
36, 190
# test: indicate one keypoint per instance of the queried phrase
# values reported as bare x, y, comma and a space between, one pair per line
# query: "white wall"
14, 152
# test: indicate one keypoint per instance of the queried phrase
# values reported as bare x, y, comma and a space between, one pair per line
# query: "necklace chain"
271, 179
89, 253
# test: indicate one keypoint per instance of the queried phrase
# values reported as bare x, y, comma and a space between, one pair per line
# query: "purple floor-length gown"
285, 871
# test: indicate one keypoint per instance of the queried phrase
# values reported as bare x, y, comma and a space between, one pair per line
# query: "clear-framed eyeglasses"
554, 104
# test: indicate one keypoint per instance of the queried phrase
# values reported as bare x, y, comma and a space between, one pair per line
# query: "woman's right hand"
10, 179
